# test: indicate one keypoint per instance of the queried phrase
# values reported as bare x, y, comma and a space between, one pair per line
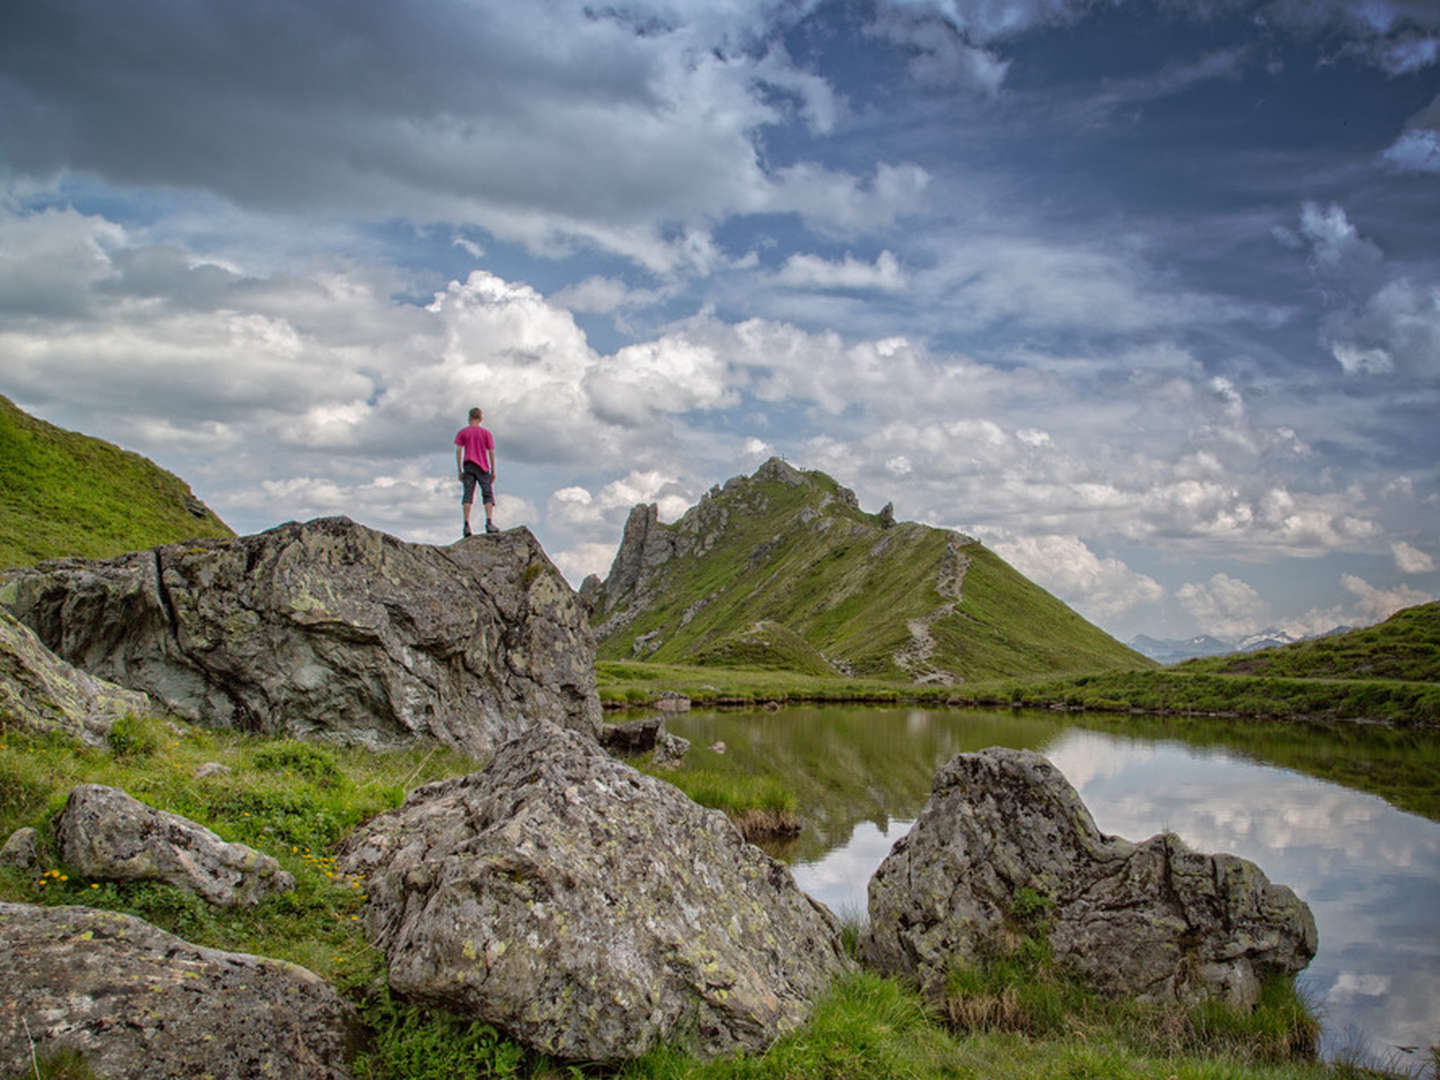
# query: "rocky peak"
780, 470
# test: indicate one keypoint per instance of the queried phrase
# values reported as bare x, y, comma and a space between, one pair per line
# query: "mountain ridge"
867, 595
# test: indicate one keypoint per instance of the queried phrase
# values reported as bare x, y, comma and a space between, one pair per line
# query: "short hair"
475, 413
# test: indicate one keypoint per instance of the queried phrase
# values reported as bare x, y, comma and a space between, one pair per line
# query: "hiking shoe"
491, 527
467, 531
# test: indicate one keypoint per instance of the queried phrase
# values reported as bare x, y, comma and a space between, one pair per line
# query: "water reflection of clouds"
840, 879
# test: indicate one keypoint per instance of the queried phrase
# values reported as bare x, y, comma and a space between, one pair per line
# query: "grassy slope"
1388, 673
63, 493
848, 588
1404, 646
297, 801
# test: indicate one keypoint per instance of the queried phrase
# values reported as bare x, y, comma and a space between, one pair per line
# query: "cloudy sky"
1143, 293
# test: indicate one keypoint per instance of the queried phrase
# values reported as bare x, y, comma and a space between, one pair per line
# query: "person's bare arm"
460, 461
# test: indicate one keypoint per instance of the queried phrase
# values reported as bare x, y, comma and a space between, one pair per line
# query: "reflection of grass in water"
844, 765
1401, 766
1367, 700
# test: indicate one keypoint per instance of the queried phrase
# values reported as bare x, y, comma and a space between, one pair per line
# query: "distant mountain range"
1173, 650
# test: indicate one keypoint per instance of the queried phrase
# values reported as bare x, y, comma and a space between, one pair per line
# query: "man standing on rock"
475, 461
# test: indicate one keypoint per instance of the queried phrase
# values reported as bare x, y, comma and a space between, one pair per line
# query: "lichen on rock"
330, 630
1154, 920
588, 910
134, 1000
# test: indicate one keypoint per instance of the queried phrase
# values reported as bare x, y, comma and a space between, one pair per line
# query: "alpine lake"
1369, 870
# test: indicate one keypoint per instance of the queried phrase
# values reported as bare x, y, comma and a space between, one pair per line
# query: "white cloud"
1401, 323
1034, 437
1336, 245
812, 272
1410, 559
601, 294
581, 560
50, 260
1224, 606
1067, 566
1381, 323
985, 20
1356, 361
474, 116
670, 375
941, 54
1373, 604
1416, 150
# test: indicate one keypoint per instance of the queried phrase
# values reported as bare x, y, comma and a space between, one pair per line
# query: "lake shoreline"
610, 704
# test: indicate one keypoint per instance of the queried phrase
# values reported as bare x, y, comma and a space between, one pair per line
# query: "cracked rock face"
136, 1001
1155, 919
329, 629
588, 910
105, 833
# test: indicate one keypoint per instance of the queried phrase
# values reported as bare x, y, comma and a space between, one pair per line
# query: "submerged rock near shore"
329, 629
136, 1001
588, 910
1005, 848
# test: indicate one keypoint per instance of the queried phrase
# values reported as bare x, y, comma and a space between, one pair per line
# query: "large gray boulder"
105, 833
1155, 919
136, 1001
589, 910
329, 629
41, 692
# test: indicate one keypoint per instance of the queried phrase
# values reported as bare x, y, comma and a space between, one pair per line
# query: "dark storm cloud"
277, 103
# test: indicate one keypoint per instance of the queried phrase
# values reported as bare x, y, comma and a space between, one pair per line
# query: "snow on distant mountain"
1173, 650
1266, 639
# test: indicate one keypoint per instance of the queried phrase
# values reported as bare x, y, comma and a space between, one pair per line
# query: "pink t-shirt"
478, 443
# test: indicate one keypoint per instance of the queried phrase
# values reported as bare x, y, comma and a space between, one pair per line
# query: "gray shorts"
473, 475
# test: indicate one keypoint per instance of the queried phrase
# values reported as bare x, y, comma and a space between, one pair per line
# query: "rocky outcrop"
1154, 919
329, 629
645, 546
588, 910
647, 736
105, 833
136, 1001
41, 692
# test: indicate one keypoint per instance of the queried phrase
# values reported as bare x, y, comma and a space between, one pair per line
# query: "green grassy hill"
783, 570
63, 493
1404, 646
1388, 673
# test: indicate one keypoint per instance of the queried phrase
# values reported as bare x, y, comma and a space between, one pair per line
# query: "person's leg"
487, 496
467, 499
